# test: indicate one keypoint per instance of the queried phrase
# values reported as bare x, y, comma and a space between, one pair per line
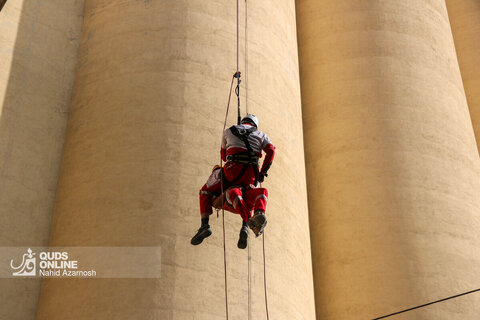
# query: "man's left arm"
269, 150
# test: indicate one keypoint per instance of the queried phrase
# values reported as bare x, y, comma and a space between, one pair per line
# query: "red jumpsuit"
251, 198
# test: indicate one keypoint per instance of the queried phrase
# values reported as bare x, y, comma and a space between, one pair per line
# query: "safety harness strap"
248, 159
243, 135
243, 159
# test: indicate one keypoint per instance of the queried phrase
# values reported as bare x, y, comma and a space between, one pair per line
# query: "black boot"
258, 223
202, 233
243, 237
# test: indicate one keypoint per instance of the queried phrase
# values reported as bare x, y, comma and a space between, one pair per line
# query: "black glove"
261, 177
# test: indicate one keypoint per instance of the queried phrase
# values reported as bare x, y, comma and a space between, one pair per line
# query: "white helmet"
251, 119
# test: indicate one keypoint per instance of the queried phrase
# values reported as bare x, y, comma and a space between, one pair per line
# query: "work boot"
258, 222
202, 233
243, 238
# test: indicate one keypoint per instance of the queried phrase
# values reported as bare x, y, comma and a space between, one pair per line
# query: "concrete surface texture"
143, 134
38, 51
392, 165
465, 21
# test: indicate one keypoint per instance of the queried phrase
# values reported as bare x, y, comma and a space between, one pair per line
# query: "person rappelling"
234, 187
242, 147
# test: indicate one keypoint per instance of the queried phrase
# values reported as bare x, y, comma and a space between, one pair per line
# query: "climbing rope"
238, 40
249, 273
223, 210
246, 56
237, 92
265, 276
264, 272
237, 74
225, 260
249, 282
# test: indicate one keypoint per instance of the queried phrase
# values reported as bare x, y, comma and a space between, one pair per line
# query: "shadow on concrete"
40, 38
2, 3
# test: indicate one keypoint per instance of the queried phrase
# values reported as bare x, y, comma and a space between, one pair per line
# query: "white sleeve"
266, 141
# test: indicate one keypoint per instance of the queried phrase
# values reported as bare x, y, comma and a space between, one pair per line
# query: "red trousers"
243, 201
248, 200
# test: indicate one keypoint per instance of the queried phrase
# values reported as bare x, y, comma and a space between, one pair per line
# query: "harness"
248, 158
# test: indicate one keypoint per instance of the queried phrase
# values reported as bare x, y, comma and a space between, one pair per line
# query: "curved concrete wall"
393, 170
143, 134
38, 53
465, 22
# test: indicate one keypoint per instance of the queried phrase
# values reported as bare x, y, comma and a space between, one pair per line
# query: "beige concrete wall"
38, 47
143, 134
393, 170
465, 21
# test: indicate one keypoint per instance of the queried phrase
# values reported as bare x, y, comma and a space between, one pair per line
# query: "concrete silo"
39, 41
392, 165
143, 133
465, 21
